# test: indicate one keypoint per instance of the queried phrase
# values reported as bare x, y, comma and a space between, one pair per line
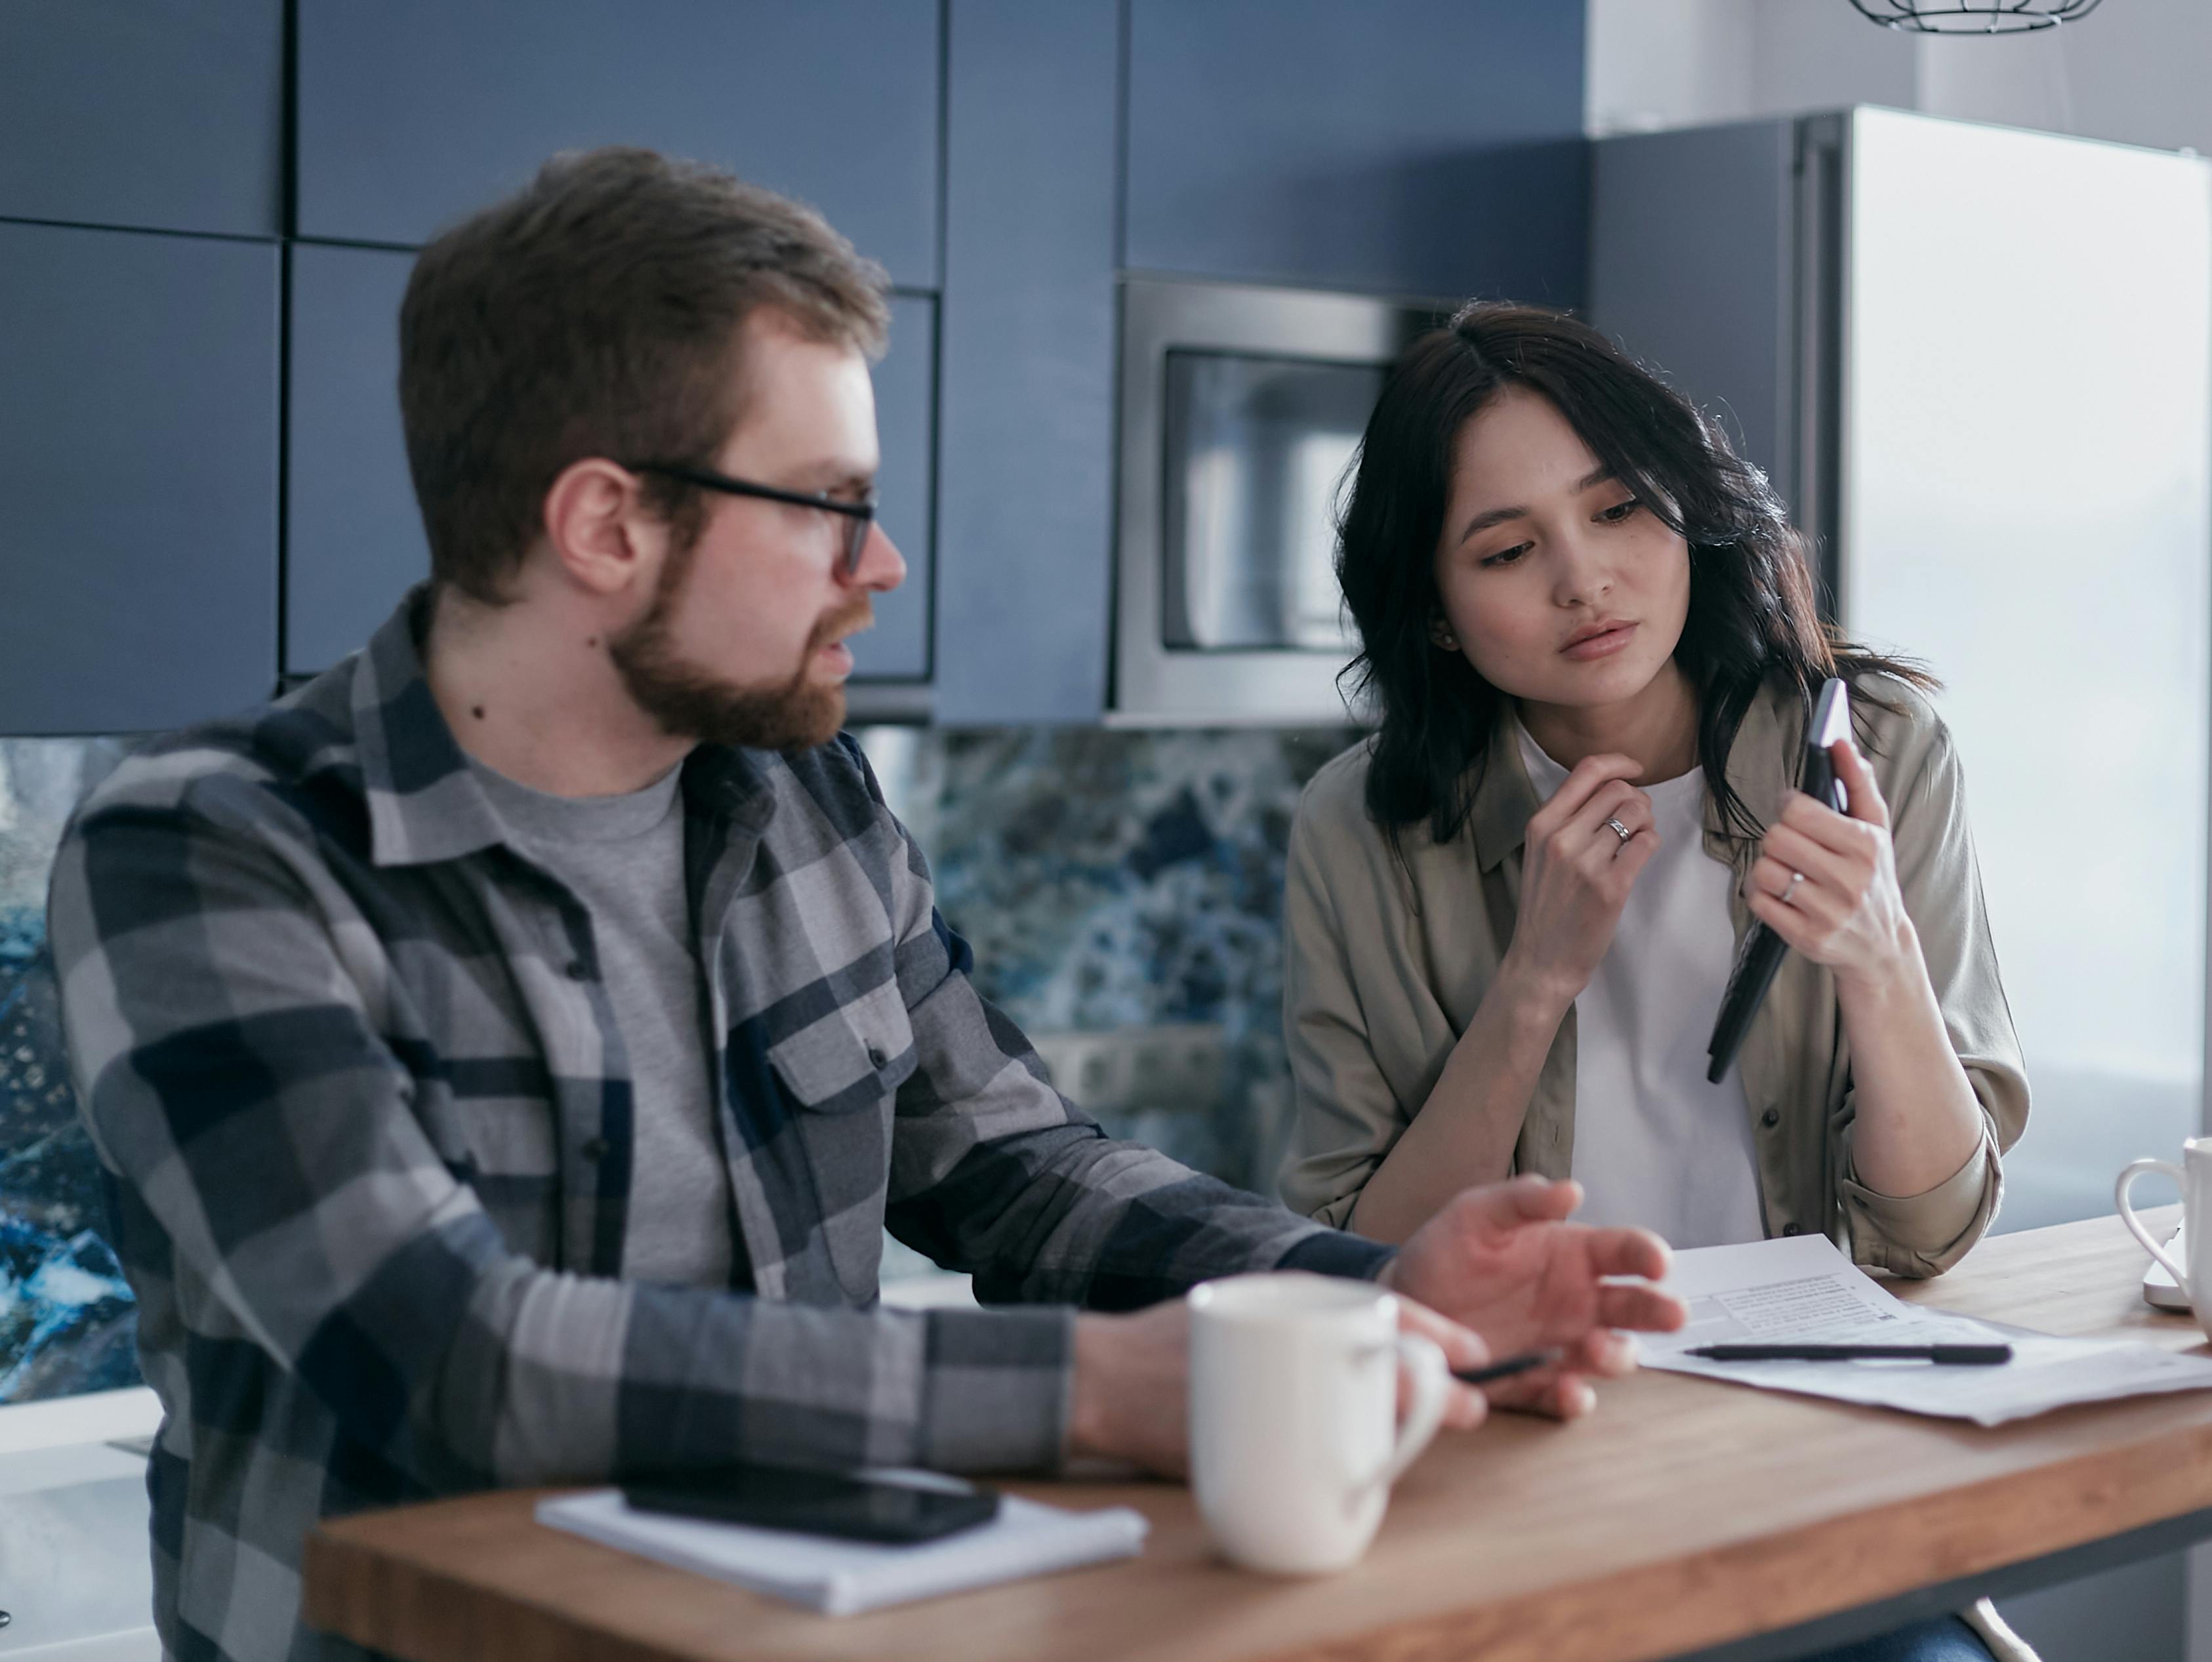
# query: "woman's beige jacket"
1386, 962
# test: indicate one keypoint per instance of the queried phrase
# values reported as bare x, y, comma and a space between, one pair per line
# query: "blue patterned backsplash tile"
1106, 879
66, 1314
1110, 878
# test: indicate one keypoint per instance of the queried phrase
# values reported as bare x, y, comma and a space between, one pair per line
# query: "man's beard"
689, 702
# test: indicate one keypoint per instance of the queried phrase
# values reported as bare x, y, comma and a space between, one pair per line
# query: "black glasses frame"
860, 515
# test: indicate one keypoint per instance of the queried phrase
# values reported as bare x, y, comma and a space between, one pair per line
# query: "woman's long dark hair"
1752, 617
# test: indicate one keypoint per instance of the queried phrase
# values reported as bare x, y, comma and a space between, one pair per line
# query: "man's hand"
1132, 1397
1503, 1259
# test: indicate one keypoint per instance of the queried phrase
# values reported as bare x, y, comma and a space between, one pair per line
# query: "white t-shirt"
1654, 1144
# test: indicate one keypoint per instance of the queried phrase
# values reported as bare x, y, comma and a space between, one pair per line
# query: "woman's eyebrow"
1495, 516
1483, 521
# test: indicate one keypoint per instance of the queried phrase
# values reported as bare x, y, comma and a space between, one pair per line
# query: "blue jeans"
1947, 1639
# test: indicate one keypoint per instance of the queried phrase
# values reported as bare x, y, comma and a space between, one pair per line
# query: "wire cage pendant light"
1973, 17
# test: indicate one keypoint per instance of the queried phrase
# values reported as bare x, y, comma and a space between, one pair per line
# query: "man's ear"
601, 534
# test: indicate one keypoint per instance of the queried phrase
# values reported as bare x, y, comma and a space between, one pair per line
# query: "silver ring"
1618, 830
1791, 888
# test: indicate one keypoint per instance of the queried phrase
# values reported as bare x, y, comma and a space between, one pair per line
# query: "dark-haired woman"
1589, 631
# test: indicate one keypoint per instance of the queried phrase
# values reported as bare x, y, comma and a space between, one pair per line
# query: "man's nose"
882, 567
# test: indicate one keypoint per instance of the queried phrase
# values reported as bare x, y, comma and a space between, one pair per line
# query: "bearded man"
507, 1050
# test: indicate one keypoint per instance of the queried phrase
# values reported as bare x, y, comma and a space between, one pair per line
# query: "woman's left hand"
1846, 912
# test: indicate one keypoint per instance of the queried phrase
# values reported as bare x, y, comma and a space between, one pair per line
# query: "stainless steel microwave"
1242, 411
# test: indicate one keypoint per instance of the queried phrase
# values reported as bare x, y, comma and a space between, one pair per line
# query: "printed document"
1802, 1289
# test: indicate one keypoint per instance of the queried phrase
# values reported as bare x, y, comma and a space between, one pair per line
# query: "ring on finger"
1618, 830
1791, 888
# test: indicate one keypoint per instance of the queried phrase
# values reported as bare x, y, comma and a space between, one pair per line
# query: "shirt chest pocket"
843, 1075
851, 1060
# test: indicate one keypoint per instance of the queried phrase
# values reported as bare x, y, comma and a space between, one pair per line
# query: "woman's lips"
1602, 645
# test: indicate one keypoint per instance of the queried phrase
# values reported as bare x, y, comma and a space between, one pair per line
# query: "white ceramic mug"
1294, 1439
2194, 1174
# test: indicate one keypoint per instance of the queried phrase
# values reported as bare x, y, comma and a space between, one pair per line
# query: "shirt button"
597, 1149
1770, 1118
876, 1056
578, 969
1790, 1229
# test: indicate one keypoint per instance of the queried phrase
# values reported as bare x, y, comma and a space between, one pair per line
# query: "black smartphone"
1763, 949
815, 1502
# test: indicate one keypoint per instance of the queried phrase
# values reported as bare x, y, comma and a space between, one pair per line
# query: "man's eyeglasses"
858, 516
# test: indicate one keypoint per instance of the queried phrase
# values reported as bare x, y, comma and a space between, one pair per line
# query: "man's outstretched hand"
1503, 1260
1501, 1272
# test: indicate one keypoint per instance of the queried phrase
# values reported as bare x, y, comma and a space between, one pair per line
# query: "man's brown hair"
598, 312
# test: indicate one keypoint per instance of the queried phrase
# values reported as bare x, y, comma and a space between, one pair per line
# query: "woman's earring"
1445, 639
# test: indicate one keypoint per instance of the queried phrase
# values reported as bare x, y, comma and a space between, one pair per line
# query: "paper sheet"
1803, 1289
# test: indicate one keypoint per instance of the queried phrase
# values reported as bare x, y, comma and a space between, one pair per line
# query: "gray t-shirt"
623, 858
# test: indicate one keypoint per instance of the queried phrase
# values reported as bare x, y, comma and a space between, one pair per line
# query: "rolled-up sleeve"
1940, 880
1924, 1234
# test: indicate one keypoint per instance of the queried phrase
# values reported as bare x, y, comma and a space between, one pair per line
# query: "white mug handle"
1424, 1359
2134, 1225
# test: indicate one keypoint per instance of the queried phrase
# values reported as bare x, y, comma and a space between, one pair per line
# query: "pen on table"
1508, 1368
1954, 1355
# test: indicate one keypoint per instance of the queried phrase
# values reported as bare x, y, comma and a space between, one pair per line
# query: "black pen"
1508, 1368
1955, 1355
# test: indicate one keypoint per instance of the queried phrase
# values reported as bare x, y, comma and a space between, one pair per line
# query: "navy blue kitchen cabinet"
413, 112
353, 537
138, 462
167, 116
1429, 148
1026, 411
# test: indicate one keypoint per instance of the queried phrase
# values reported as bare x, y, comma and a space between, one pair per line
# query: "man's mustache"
849, 620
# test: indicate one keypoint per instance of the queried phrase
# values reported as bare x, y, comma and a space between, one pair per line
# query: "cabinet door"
138, 462
1025, 445
897, 647
353, 538
413, 112
1428, 147
120, 113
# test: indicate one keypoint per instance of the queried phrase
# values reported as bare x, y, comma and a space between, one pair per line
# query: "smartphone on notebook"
1763, 949
817, 1502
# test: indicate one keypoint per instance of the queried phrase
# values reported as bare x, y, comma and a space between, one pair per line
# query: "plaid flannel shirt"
366, 1118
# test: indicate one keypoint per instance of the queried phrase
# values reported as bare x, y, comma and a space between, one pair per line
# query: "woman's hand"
1917, 1121
1575, 875
1845, 911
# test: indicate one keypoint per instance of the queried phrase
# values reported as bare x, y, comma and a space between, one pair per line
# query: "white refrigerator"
1975, 361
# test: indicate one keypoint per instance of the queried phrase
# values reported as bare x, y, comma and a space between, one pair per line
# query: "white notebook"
841, 1577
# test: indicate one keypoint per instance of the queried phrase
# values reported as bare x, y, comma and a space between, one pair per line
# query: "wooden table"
1683, 1515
